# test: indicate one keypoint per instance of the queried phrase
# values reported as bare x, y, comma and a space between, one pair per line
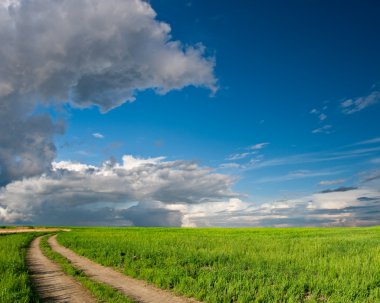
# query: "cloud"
355, 207
149, 184
338, 190
326, 129
322, 117
351, 106
239, 156
371, 176
299, 174
259, 162
98, 135
332, 182
230, 165
87, 53
371, 141
259, 146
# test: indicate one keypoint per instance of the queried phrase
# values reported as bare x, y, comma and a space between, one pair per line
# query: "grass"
101, 292
15, 285
243, 265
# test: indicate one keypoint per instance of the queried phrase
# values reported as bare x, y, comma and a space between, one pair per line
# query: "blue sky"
275, 62
296, 110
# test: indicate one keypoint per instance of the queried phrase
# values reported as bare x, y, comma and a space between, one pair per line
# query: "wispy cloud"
239, 156
326, 129
259, 146
332, 182
351, 106
370, 141
299, 174
314, 157
98, 135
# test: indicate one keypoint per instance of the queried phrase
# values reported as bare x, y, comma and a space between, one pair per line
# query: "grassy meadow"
243, 265
14, 281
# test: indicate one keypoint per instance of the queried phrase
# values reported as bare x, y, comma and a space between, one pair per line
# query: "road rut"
51, 284
137, 290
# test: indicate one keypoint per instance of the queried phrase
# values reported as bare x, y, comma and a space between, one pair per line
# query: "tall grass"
15, 285
243, 265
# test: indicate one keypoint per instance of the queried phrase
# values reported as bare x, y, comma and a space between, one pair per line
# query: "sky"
189, 113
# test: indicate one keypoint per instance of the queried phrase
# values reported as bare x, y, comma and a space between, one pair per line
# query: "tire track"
50, 283
135, 289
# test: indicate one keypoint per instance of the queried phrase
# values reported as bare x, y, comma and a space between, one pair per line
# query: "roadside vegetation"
15, 285
243, 265
101, 292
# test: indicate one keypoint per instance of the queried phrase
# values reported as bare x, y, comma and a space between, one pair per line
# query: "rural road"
51, 284
30, 230
137, 290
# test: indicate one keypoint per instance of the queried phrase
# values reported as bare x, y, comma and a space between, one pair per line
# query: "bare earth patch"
135, 289
51, 284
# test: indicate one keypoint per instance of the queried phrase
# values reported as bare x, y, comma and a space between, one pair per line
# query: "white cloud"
314, 111
152, 183
370, 141
259, 146
98, 135
332, 182
341, 207
240, 156
87, 53
351, 106
322, 130
340, 199
322, 117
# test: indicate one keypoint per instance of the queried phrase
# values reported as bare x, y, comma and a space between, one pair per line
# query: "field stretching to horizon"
243, 265
215, 264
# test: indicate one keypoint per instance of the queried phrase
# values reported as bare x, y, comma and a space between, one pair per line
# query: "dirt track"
30, 230
51, 284
132, 288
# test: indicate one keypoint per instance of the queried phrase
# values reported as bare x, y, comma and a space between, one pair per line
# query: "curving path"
135, 289
51, 284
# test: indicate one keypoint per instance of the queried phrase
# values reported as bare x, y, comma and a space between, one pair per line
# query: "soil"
50, 283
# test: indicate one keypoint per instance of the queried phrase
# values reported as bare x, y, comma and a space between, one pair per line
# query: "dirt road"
51, 284
135, 289
29, 230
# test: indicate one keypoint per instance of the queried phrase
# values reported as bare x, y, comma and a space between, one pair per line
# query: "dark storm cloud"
85, 53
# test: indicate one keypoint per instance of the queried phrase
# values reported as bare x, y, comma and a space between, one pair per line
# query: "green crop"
243, 265
15, 285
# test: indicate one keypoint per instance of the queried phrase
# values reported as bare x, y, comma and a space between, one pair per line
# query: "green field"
243, 265
14, 280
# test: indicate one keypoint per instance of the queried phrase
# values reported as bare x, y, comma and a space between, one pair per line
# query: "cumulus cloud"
351, 106
87, 53
353, 207
125, 189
